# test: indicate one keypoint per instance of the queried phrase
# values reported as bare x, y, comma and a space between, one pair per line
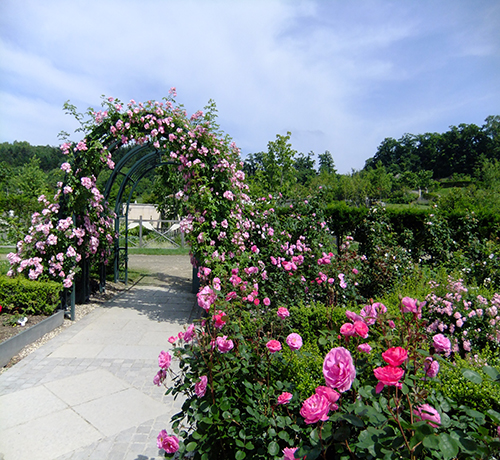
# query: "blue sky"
340, 75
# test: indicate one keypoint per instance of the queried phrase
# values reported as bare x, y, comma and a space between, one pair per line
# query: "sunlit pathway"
88, 393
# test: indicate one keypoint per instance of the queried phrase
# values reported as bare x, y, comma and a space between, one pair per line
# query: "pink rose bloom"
224, 345
347, 329
353, 316
441, 343
200, 387
391, 323
361, 329
266, 301
164, 359
427, 412
284, 398
283, 312
172, 339
388, 375
273, 346
395, 356
289, 453
330, 394
170, 444
338, 369
364, 348
159, 377
294, 341
369, 314
431, 367
409, 305
315, 408
189, 334
206, 297
218, 321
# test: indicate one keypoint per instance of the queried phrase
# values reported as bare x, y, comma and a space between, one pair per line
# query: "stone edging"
14, 345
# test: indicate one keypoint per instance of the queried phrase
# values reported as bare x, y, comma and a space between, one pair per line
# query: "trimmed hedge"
19, 295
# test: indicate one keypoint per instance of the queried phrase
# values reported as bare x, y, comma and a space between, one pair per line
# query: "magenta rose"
289, 453
427, 412
283, 312
361, 329
395, 356
409, 305
315, 408
388, 375
159, 377
347, 329
189, 334
441, 343
431, 367
170, 444
224, 345
206, 297
273, 346
330, 394
200, 387
284, 398
294, 341
164, 359
338, 369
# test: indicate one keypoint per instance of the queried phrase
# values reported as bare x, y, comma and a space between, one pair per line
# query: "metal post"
140, 231
73, 297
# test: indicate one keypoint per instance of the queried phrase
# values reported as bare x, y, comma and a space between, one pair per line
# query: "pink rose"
294, 341
283, 312
284, 398
431, 367
289, 453
338, 369
189, 334
170, 444
266, 301
330, 394
164, 359
353, 316
395, 356
441, 343
218, 321
224, 345
388, 375
427, 412
369, 314
273, 346
200, 387
347, 329
361, 329
315, 408
206, 297
409, 305
365, 348
159, 377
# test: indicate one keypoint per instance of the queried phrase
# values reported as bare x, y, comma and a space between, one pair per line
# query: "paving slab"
88, 393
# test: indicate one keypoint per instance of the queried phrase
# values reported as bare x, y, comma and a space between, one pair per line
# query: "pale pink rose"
170, 444
294, 341
200, 387
164, 359
315, 408
395, 356
365, 348
266, 301
330, 394
353, 316
431, 367
347, 329
285, 398
206, 297
441, 343
283, 312
427, 412
224, 345
273, 346
159, 377
361, 329
338, 369
369, 314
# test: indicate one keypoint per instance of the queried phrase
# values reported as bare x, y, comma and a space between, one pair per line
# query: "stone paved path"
88, 393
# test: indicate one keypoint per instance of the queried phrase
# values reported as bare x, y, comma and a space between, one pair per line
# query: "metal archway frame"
144, 162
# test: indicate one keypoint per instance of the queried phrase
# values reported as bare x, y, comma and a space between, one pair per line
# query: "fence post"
140, 231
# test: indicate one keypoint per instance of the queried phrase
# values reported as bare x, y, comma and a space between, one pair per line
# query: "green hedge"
19, 295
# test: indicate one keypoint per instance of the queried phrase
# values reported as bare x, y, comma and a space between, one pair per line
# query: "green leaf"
240, 455
249, 446
191, 446
492, 373
431, 442
314, 435
353, 420
473, 376
448, 446
273, 448
494, 415
284, 435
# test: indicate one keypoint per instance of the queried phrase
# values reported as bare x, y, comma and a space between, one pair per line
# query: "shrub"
24, 296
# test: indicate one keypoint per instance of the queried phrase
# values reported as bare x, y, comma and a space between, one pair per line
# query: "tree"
304, 166
326, 163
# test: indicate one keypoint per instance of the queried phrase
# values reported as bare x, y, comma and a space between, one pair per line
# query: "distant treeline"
19, 154
460, 150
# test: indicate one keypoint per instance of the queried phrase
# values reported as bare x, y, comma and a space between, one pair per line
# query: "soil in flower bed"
7, 330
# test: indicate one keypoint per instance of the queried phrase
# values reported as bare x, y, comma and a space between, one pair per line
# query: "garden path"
88, 393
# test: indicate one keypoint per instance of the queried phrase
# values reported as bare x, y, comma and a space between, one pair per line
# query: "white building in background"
147, 211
